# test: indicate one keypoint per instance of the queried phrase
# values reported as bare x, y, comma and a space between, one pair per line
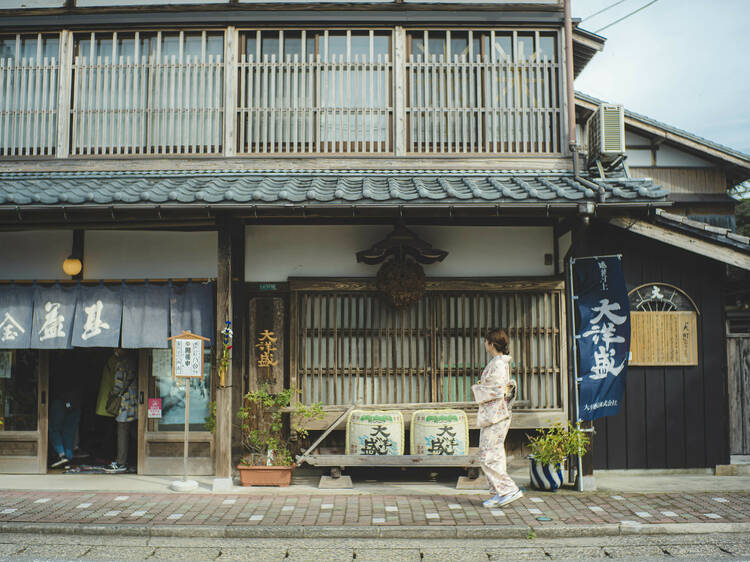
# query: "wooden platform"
432, 461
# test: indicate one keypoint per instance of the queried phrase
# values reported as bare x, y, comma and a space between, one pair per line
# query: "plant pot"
545, 476
265, 475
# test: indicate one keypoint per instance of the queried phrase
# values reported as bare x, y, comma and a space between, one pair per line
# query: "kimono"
494, 393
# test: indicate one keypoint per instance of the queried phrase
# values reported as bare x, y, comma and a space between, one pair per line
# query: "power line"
626, 16
603, 10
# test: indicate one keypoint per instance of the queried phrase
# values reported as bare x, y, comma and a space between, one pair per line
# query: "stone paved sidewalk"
357, 512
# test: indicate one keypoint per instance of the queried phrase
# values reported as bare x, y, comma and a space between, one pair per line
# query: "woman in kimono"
494, 394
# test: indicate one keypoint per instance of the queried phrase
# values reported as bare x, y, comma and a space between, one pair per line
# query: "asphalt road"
642, 547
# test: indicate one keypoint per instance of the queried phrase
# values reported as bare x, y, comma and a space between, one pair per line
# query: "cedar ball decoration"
401, 281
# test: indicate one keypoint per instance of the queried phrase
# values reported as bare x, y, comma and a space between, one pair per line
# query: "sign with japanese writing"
15, 317
603, 337
154, 407
187, 353
98, 317
52, 326
266, 342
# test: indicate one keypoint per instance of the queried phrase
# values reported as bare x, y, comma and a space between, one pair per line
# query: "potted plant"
268, 459
549, 449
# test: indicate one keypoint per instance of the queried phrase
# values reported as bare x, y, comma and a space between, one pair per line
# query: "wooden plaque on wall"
267, 355
663, 338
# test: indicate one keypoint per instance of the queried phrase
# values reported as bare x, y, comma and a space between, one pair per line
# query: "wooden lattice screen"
349, 346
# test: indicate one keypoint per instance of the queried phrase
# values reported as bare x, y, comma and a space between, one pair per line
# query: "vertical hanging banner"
52, 325
603, 334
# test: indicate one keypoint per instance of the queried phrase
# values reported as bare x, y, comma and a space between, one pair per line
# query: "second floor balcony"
252, 92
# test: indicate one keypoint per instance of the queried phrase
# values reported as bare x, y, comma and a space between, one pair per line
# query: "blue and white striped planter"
545, 476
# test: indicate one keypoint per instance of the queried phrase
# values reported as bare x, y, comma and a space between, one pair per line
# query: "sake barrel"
439, 432
375, 432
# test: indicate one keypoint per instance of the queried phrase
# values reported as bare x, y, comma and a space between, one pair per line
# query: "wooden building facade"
253, 151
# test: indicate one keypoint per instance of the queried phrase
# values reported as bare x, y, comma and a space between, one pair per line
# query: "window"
350, 347
172, 394
148, 93
315, 91
483, 91
19, 377
28, 94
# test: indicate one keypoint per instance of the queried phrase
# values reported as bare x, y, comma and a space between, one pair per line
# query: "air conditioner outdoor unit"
606, 134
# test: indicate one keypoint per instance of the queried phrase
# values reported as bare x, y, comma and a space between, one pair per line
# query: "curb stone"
375, 532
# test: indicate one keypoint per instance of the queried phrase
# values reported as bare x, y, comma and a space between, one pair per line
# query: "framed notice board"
663, 326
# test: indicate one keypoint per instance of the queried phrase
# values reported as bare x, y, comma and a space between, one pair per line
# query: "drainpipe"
569, 72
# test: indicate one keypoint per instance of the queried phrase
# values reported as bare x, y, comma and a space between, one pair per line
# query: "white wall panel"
638, 157
34, 254
275, 253
632, 138
668, 156
149, 254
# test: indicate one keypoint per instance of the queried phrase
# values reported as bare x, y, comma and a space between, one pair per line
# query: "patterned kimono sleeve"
492, 385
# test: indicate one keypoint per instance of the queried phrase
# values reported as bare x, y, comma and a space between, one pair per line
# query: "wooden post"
223, 435
144, 364
43, 414
399, 107
65, 66
230, 90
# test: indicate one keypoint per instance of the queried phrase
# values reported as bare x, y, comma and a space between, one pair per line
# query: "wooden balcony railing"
487, 100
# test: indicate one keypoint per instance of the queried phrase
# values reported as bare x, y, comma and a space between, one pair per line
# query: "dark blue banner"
98, 317
16, 308
603, 335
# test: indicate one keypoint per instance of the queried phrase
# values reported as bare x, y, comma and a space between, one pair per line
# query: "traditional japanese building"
192, 163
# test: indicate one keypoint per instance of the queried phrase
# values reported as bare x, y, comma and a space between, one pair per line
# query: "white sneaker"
492, 502
62, 460
509, 498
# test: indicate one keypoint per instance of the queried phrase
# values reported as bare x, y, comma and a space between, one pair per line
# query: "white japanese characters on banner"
603, 337
54, 310
98, 317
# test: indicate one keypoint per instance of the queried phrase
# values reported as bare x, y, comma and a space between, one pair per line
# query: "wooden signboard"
663, 338
187, 363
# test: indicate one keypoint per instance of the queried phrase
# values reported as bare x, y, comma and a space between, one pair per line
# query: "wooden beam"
680, 240
289, 162
223, 437
454, 284
393, 460
522, 419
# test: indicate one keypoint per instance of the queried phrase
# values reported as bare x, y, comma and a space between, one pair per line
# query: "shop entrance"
82, 436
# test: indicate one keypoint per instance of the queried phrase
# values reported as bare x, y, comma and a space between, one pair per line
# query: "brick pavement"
536, 509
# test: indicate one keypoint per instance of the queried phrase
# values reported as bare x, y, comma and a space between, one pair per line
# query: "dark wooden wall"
672, 417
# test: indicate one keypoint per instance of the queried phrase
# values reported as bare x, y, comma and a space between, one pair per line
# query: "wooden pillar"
223, 434
399, 101
64, 85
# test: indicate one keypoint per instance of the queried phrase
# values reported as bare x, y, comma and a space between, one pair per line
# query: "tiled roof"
311, 187
702, 230
670, 128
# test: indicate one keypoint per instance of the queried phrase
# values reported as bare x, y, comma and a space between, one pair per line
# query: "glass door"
161, 418
23, 411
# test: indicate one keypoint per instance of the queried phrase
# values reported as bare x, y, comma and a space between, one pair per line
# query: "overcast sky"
683, 62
